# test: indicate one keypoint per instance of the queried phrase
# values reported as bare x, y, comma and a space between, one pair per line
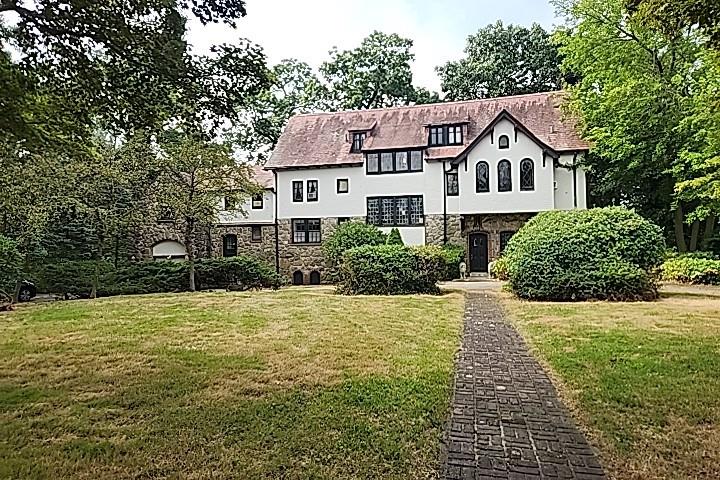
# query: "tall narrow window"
297, 187
504, 176
482, 177
312, 190
358, 140
229, 203
454, 135
230, 246
256, 234
453, 189
436, 136
386, 162
416, 164
503, 142
372, 162
527, 175
257, 201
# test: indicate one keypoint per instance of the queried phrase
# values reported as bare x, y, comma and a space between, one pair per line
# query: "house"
468, 173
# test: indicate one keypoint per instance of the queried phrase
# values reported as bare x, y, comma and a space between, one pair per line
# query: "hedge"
390, 270
604, 253
11, 263
697, 269
350, 235
76, 277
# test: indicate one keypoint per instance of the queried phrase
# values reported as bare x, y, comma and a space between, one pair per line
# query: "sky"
308, 29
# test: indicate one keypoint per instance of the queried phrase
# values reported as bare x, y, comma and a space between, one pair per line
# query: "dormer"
446, 135
357, 134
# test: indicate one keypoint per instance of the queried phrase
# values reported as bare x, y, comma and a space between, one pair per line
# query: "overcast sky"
307, 29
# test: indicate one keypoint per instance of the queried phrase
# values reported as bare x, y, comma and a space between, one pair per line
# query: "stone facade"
492, 225
306, 258
435, 230
264, 249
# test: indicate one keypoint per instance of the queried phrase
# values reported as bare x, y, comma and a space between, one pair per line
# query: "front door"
478, 252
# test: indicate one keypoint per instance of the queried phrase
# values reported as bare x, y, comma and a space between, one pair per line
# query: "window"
297, 187
256, 234
451, 179
372, 163
358, 140
312, 190
342, 220
394, 162
527, 175
298, 277
166, 214
343, 185
229, 203
503, 142
482, 177
306, 230
257, 202
314, 277
395, 211
445, 135
504, 239
230, 246
504, 176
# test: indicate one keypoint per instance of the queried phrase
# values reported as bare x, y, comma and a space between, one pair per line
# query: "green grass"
291, 384
643, 377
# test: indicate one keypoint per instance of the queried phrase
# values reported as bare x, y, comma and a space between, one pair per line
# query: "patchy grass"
298, 383
644, 378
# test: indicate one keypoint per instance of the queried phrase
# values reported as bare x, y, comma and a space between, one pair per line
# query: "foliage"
603, 253
11, 263
668, 15
691, 269
350, 235
499, 269
453, 256
72, 277
390, 270
394, 237
242, 273
375, 74
503, 60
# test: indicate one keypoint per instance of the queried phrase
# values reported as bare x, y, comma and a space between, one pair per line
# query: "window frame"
253, 238
523, 186
500, 188
487, 179
299, 183
226, 249
439, 135
347, 185
358, 140
448, 191
317, 190
500, 145
167, 215
306, 232
260, 197
505, 235
394, 207
394, 154
229, 205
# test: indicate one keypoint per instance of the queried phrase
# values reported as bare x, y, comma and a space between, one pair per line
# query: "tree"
668, 15
294, 89
374, 75
394, 238
631, 98
503, 60
195, 176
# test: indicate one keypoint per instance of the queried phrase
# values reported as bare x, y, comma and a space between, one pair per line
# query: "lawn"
298, 383
644, 378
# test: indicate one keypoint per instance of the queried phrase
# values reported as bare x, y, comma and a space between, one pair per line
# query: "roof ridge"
422, 105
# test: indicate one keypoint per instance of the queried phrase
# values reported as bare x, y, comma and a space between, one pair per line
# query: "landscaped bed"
289, 384
643, 377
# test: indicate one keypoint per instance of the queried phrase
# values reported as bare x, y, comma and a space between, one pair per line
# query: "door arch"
298, 277
478, 248
314, 277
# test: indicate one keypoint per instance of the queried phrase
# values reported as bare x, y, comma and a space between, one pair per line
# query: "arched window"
314, 277
527, 175
230, 246
169, 250
482, 177
504, 176
503, 142
298, 278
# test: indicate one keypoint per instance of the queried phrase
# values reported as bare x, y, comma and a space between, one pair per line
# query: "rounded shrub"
350, 235
604, 253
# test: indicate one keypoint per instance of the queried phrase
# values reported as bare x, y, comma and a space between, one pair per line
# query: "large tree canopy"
503, 60
668, 15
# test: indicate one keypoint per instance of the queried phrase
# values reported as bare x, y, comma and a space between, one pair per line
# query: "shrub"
453, 256
146, 277
242, 272
394, 238
499, 269
691, 269
390, 270
604, 253
11, 262
74, 277
350, 235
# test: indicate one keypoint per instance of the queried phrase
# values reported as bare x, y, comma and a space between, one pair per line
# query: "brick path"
507, 420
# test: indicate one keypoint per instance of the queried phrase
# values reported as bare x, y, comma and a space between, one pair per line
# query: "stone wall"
303, 257
492, 225
265, 249
435, 230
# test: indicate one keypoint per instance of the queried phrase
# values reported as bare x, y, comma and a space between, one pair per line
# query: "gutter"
574, 172
445, 220
277, 228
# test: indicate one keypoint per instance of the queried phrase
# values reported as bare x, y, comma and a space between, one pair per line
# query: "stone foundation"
435, 230
492, 225
305, 258
264, 249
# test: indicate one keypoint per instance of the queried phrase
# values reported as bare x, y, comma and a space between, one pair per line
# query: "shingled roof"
262, 177
324, 139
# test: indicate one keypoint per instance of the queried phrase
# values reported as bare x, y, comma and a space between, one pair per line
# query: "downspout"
574, 170
277, 228
445, 221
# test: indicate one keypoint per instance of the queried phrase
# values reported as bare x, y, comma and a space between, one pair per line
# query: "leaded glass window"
527, 175
482, 177
504, 176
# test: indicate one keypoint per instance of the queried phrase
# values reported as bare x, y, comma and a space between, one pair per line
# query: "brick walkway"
507, 420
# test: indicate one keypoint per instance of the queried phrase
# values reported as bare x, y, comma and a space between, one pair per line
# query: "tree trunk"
709, 231
190, 249
680, 229
16, 292
694, 234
